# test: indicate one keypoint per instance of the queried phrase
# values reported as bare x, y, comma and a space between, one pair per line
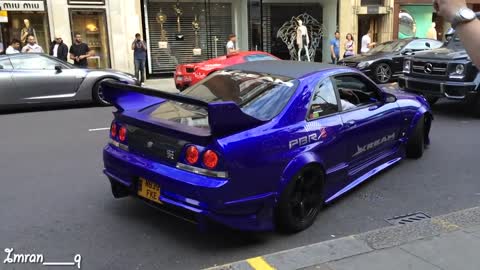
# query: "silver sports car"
33, 79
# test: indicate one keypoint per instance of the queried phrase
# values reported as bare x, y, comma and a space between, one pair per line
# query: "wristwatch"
463, 15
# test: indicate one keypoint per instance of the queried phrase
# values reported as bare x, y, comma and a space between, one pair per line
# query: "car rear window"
262, 96
259, 57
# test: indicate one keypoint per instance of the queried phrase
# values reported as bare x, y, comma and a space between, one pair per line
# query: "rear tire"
301, 201
97, 93
416, 142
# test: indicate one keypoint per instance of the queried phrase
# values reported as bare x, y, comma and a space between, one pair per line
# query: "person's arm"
72, 55
332, 52
64, 52
469, 34
24, 49
133, 45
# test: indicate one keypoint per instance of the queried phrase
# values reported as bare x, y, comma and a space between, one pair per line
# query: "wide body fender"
296, 164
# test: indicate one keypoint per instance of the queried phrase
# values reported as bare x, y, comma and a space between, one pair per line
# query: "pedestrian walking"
32, 46
14, 47
79, 52
139, 48
367, 43
232, 44
335, 48
465, 23
58, 49
349, 46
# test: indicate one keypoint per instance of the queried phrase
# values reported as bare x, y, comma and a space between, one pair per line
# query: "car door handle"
372, 108
350, 123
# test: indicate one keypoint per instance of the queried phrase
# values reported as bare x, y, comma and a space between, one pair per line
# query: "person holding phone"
139, 48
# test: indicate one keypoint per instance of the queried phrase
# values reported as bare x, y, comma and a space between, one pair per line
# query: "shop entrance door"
366, 23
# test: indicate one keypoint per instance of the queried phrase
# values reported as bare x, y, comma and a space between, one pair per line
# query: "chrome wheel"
383, 73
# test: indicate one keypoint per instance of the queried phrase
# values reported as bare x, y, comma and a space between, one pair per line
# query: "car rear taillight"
192, 154
122, 134
210, 159
113, 130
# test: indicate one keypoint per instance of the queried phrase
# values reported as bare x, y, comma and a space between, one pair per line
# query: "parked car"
35, 79
446, 72
189, 74
385, 61
263, 145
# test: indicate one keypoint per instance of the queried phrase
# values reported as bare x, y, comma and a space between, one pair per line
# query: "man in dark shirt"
58, 49
139, 56
79, 52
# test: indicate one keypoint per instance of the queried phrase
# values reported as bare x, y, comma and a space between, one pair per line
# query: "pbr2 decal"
311, 138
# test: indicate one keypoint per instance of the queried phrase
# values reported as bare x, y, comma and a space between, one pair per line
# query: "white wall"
330, 22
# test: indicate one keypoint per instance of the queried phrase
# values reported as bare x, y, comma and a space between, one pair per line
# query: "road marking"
258, 263
98, 129
445, 224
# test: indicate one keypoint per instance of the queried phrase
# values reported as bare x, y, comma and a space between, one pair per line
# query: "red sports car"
189, 74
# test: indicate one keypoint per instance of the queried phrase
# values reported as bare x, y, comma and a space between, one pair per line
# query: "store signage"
3, 16
373, 9
86, 2
22, 5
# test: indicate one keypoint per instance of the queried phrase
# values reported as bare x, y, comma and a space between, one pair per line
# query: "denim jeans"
140, 67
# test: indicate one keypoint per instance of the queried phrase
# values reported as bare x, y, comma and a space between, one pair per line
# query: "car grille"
429, 68
153, 145
190, 69
423, 87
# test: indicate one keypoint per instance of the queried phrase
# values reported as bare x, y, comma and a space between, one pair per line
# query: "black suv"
443, 72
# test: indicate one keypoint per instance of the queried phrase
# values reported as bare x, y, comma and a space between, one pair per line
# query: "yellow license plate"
148, 190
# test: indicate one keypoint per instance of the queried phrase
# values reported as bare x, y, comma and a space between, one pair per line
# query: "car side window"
324, 100
417, 45
33, 62
5, 64
355, 92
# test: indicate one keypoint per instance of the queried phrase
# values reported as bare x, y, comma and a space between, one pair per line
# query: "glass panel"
255, 41
5, 64
324, 101
372, 2
92, 25
356, 91
21, 24
33, 62
193, 31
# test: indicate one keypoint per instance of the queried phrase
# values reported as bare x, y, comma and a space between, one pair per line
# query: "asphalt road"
54, 199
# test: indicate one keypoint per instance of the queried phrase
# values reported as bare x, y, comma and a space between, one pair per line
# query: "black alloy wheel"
301, 201
382, 73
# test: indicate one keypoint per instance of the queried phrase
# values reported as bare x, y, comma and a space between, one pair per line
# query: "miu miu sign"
22, 5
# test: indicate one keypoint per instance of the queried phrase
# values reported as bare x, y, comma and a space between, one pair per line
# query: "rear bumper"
434, 88
194, 196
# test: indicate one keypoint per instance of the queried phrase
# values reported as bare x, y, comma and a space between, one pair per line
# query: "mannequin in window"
432, 32
302, 40
27, 30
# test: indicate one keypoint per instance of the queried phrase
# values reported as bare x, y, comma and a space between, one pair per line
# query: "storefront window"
416, 21
92, 25
186, 31
24, 20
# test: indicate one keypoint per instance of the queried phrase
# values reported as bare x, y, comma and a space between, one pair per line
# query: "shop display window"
21, 24
92, 25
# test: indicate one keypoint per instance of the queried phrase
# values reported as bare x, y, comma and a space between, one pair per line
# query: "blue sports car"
259, 146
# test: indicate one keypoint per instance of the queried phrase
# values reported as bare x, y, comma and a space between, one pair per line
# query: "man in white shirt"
32, 46
14, 47
367, 43
231, 44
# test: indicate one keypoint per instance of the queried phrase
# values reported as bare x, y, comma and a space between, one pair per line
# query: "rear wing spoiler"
224, 118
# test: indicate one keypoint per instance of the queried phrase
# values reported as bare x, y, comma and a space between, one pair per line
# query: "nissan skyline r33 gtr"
259, 146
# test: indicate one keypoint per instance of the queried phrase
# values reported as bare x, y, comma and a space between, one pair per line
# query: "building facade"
107, 26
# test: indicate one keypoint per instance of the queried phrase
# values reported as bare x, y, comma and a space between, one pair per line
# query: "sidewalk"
162, 84
449, 242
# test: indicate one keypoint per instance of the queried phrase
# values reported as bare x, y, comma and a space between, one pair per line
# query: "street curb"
337, 249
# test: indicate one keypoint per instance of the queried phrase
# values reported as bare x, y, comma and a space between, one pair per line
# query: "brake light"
192, 154
113, 130
122, 134
210, 159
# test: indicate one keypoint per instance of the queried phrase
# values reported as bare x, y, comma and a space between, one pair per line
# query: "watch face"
467, 14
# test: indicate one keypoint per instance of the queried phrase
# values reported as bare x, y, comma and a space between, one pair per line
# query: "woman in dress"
349, 46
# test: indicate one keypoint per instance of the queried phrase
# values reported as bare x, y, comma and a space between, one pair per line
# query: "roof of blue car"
292, 69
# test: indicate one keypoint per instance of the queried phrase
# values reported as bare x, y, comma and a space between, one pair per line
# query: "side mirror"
58, 68
390, 98
427, 44
407, 51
